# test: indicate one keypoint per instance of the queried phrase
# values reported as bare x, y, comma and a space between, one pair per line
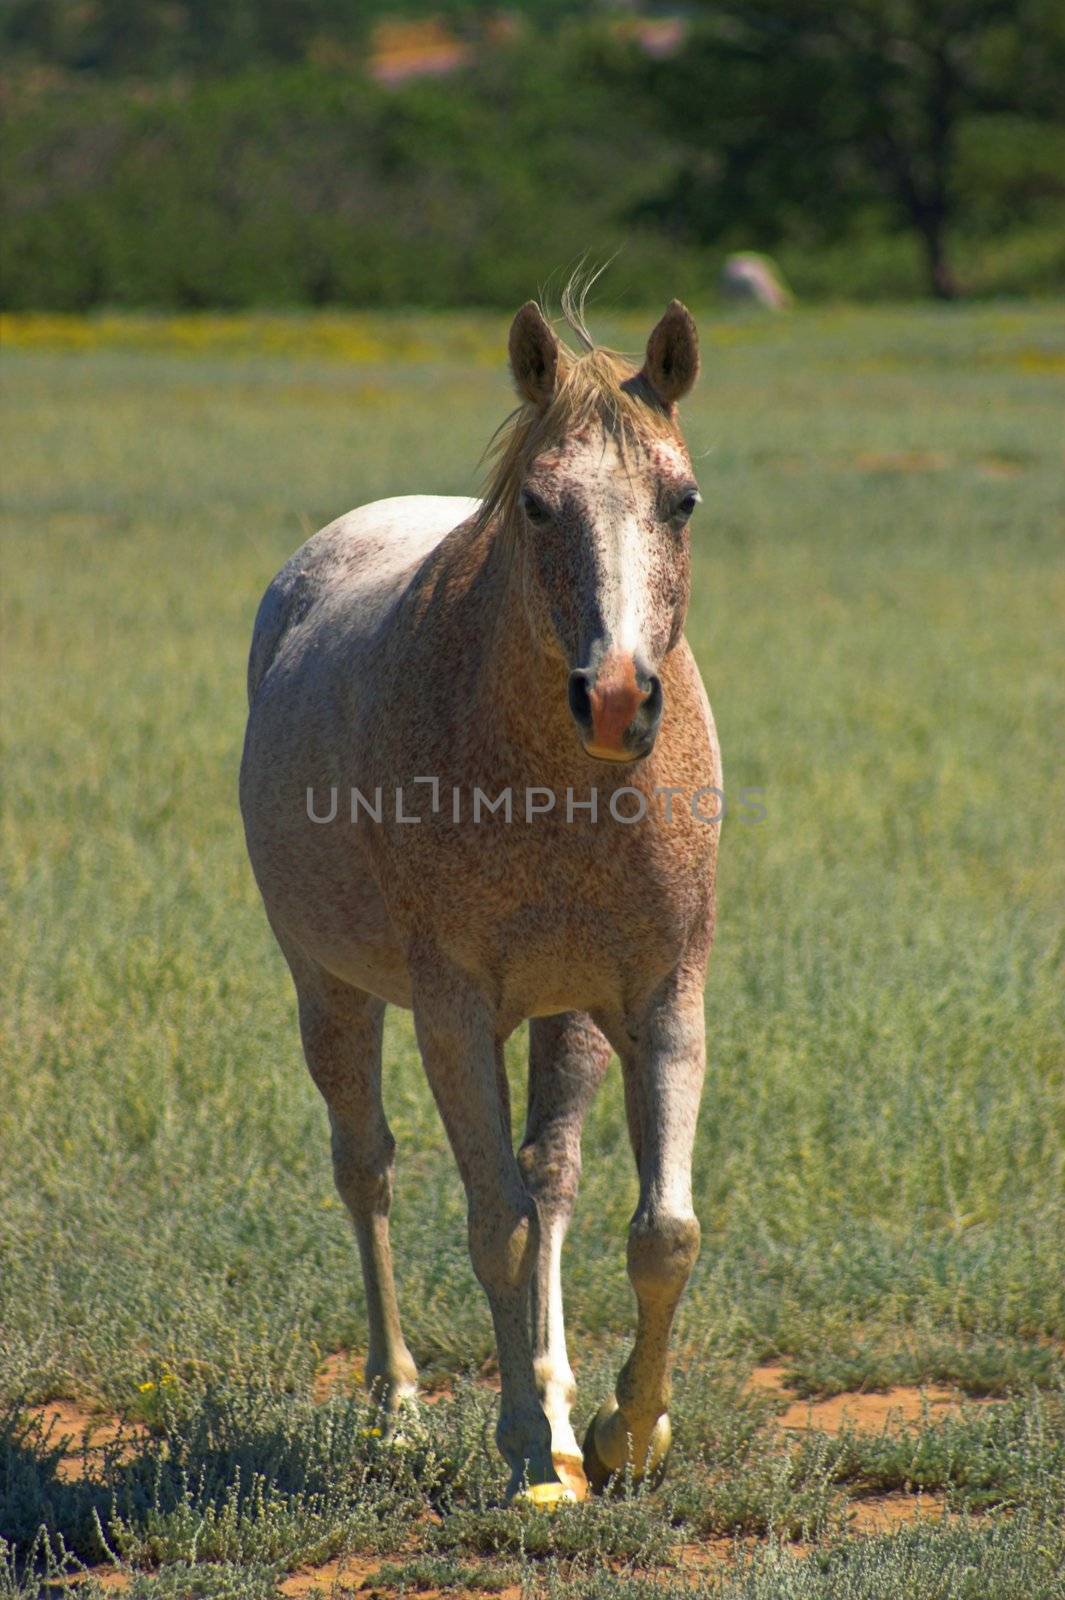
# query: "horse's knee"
550, 1163
363, 1167
662, 1250
503, 1244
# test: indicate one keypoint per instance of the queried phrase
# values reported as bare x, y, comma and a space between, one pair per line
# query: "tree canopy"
242, 153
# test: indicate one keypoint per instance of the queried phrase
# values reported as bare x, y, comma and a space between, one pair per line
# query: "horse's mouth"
618, 757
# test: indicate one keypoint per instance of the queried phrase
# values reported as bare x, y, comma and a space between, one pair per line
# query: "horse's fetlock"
662, 1250
641, 1408
391, 1378
523, 1435
554, 1379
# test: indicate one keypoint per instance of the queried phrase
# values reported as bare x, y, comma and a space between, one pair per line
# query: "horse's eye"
686, 505
534, 507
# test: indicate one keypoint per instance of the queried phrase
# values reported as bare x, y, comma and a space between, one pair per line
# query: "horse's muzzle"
617, 707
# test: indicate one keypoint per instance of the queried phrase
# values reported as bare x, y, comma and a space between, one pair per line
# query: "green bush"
304, 186
308, 187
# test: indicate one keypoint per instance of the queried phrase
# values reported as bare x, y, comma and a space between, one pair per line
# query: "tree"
815, 103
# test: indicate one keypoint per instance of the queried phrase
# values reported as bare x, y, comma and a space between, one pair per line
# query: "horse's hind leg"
567, 1059
341, 1029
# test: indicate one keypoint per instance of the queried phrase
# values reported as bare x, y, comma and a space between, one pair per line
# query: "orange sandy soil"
87, 1433
867, 1413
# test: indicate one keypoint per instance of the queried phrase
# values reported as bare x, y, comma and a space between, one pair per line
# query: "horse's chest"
549, 957
557, 917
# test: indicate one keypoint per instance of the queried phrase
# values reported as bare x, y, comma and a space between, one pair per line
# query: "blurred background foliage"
185, 153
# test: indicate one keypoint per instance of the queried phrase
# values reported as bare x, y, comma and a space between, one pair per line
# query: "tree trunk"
919, 162
941, 279
941, 110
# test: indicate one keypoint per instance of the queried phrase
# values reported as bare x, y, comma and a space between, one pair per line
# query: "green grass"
880, 1170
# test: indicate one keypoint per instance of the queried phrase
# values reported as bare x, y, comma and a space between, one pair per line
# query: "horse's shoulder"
363, 553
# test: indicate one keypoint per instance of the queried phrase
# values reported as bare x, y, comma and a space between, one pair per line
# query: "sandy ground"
868, 1413
88, 1433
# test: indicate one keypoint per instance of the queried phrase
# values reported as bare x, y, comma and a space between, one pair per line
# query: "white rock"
755, 278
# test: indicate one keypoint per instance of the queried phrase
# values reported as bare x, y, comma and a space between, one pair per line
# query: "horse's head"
596, 485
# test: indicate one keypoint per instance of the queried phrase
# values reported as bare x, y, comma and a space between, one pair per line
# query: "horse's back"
364, 559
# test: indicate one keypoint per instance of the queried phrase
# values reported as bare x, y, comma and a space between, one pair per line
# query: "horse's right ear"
533, 355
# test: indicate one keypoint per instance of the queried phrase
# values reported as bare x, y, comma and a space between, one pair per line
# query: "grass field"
880, 1171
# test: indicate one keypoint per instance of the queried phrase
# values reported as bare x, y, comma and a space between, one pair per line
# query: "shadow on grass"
256, 1480
243, 1476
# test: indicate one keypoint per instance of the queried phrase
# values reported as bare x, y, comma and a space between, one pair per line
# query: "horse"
502, 690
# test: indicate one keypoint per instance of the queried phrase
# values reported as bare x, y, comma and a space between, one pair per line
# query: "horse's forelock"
596, 388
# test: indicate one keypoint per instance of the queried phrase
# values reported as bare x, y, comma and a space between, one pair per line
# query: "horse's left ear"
672, 362
534, 355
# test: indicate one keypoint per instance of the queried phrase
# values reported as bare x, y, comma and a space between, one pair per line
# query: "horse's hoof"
608, 1447
570, 1470
545, 1496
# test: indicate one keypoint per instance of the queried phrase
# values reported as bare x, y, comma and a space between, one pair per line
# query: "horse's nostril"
580, 700
653, 704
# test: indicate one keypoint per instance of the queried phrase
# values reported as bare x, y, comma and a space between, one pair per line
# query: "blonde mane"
596, 387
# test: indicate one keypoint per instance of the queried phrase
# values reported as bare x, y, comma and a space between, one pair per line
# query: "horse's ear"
533, 355
672, 362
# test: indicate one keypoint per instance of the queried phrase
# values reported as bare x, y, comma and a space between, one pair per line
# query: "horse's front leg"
463, 1061
568, 1057
663, 1060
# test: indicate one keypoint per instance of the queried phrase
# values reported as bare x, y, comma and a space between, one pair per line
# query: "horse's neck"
516, 686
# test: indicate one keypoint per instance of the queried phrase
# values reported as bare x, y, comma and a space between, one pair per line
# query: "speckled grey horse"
531, 642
